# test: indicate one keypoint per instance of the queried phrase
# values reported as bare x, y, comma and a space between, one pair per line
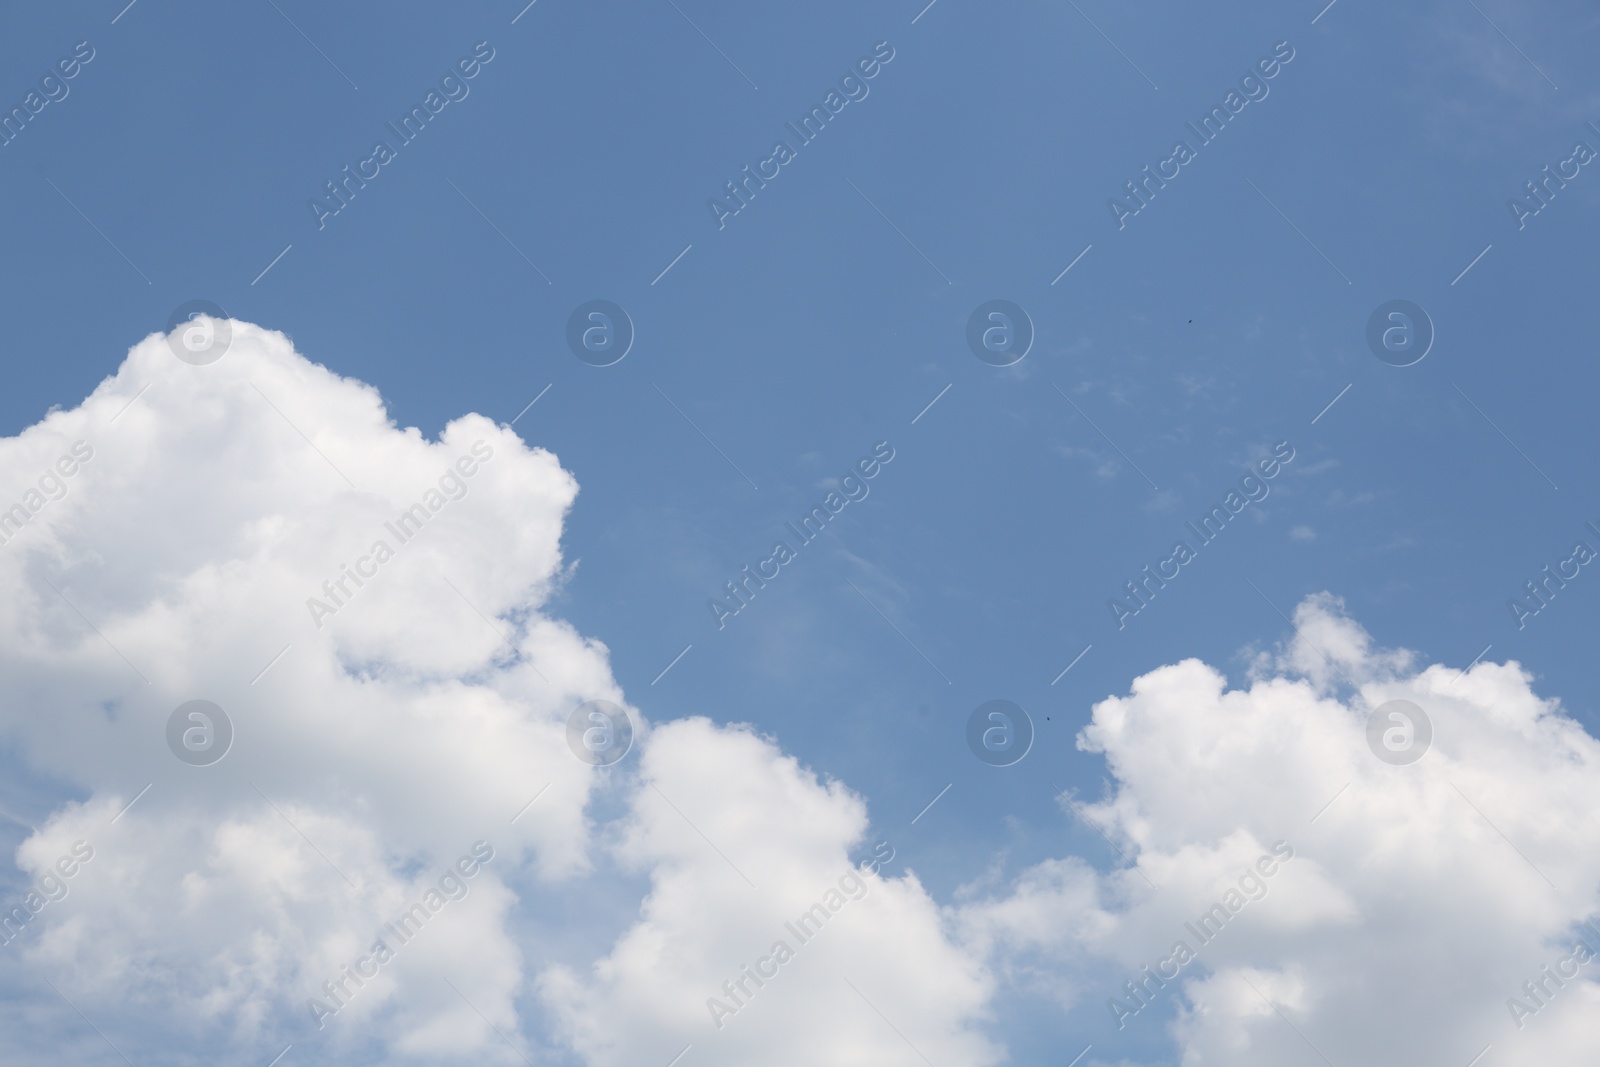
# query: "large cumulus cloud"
1419, 898
186, 554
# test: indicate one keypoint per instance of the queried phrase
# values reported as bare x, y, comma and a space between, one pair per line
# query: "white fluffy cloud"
1418, 900
418, 718
741, 843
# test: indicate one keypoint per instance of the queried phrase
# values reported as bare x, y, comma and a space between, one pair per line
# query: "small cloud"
1340, 499
1317, 467
1104, 465
1302, 533
1163, 501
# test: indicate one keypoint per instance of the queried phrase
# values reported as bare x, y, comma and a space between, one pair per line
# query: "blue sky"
822, 319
